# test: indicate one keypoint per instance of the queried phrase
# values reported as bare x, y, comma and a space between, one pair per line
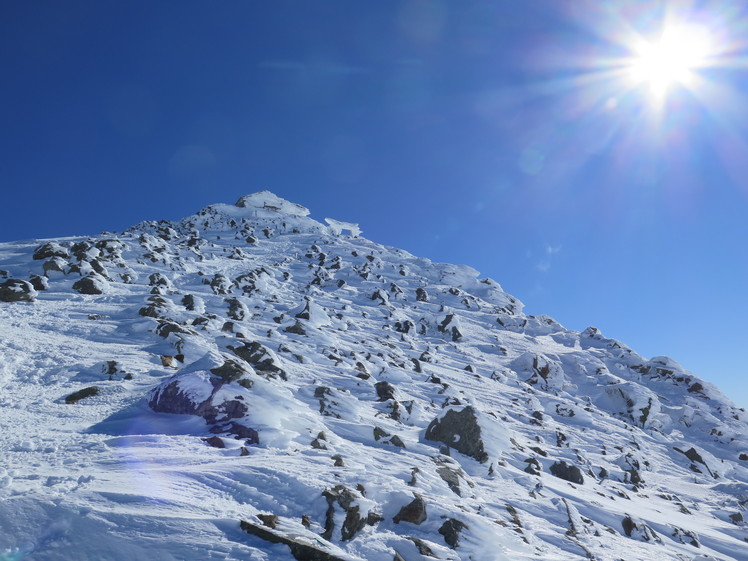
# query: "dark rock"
166, 327
296, 328
75, 397
338, 459
385, 391
230, 371
567, 472
237, 309
421, 295
215, 442
92, 284
743, 457
423, 548
39, 283
261, 358
414, 512
459, 430
17, 290
54, 265
50, 249
301, 551
269, 520
451, 531
736, 518
345, 499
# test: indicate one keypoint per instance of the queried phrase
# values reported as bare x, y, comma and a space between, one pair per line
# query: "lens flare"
671, 60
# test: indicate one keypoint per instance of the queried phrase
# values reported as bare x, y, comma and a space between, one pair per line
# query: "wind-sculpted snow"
247, 383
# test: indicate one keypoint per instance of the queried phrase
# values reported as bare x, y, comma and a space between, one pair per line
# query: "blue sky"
504, 135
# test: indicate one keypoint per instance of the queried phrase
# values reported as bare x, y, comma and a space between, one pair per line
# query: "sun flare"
671, 60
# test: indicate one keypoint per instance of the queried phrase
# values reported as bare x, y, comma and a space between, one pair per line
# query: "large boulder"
567, 472
17, 290
50, 249
92, 284
217, 394
459, 430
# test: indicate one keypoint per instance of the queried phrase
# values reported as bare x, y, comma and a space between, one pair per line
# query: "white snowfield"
250, 384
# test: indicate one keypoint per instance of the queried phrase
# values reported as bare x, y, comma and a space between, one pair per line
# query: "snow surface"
663, 454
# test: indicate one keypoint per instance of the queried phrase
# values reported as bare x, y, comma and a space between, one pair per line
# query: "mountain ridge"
287, 390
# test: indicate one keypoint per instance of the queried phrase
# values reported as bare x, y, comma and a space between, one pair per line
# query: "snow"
108, 478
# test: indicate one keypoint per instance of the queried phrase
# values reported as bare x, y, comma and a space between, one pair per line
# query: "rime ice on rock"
337, 227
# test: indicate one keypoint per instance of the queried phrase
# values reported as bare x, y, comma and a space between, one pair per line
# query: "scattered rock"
451, 531
215, 442
17, 290
414, 512
92, 284
300, 550
459, 430
50, 249
269, 520
346, 499
75, 397
568, 472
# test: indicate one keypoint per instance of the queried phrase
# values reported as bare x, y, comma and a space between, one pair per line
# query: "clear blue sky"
503, 135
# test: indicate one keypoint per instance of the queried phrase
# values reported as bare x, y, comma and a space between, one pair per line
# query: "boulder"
451, 531
459, 430
75, 397
92, 284
50, 249
265, 362
17, 290
568, 472
414, 512
196, 393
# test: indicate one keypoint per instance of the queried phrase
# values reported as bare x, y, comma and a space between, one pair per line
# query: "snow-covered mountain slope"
250, 384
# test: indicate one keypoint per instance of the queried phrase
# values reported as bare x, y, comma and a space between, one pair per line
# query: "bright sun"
671, 60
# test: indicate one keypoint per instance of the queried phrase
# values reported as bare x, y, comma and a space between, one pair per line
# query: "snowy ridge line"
247, 363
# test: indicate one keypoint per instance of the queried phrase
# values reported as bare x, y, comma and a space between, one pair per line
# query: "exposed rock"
269, 520
191, 393
423, 547
263, 360
75, 397
17, 290
50, 249
346, 500
92, 284
451, 531
385, 391
459, 430
568, 472
414, 512
237, 310
421, 295
215, 442
300, 550
39, 283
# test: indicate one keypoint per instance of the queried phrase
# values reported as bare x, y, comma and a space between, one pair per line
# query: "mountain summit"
250, 384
